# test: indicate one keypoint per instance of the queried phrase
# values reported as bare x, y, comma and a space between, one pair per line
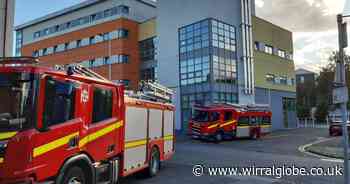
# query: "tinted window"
266, 120
103, 101
215, 116
228, 116
59, 102
244, 120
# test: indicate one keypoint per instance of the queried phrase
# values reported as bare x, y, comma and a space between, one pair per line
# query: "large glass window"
59, 102
18, 95
102, 105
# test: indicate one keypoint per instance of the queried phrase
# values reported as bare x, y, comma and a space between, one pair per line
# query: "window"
253, 120
282, 53
55, 48
92, 40
268, 49
102, 105
256, 45
123, 33
78, 43
124, 58
36, 34
228, 116
36, 53
270, 78
284, 80
124, 9
243, 121
105, 36
214, 116
302, 79
44, 51
59, 102
106, 60
66, 46
266, 120
108, 13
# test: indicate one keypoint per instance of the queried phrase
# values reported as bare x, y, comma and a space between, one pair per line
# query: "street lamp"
340, 92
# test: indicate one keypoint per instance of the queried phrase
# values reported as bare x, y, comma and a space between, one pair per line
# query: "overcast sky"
313, 23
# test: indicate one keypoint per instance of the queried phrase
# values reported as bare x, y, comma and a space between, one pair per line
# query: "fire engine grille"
196, 130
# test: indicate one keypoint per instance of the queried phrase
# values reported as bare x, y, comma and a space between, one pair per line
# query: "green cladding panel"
266, 33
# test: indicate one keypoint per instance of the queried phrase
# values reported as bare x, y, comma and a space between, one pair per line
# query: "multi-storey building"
205, 53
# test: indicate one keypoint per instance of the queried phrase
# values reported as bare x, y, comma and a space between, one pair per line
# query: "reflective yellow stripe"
99, 133
53, 145
7, 135
213, 126
133, 144
243, 126
265, 126
1, 160
228, 123
168, 138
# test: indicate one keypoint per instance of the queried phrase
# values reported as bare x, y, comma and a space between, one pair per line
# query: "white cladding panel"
168, 123
135, 157
155, 124
243, 132
135, 124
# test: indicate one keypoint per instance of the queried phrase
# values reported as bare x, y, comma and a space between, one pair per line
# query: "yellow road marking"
1, 160
134, 144
7, 135
168, 138
100, 133
53, 145
265, 126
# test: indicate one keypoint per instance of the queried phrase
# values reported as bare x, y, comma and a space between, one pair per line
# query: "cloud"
301, 15
314, 27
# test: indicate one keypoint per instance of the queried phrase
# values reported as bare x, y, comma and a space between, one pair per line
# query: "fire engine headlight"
3, 145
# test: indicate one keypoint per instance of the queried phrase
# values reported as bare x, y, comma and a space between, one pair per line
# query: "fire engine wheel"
154, 163
74, 175
254, 136
219, 136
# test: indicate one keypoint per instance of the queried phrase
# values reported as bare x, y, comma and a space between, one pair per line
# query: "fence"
313, 123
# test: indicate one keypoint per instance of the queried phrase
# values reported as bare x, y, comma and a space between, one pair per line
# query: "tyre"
74, 175
154, 163
254, 135
219, 137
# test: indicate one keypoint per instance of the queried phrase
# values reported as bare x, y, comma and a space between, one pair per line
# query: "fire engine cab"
76, 127
219, 121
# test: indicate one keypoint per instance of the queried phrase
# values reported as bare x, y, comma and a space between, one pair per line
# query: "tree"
324, 88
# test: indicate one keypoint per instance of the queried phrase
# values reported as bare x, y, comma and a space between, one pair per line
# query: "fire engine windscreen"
204, 116
17, 101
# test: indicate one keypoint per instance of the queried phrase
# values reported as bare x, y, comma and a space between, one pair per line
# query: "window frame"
105, 88
73, 104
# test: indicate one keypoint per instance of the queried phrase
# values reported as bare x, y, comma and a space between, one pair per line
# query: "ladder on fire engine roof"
249, 107
148, 91
153, 92
80, 70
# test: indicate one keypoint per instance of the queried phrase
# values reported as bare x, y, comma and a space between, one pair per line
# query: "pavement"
332, 148
275, 150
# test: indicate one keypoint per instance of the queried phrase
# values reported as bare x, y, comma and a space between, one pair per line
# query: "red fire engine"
75, 127
218, 121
